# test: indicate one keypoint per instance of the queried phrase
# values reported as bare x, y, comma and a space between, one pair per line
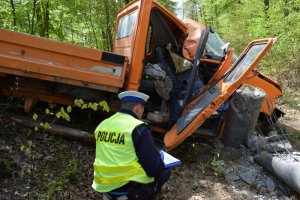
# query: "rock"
228, 170
270, 184
243, 167
281, 146
273, 136
249, 176
232, 177
220, 165
203, 183
251, 159
263, 190
257, 143
195, 185
272, 133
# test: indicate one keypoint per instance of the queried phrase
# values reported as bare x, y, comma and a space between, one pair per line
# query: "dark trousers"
139, 191
148, 191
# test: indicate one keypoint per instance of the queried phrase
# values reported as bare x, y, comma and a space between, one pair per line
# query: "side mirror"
225, 48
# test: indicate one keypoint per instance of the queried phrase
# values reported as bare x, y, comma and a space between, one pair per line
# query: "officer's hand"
161, 155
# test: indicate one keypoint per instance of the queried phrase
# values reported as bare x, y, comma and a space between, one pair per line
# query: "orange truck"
188, 71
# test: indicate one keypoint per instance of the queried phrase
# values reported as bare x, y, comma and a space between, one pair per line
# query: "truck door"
217, 93
130, 38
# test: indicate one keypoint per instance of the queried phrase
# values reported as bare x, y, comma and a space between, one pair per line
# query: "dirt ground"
37, 165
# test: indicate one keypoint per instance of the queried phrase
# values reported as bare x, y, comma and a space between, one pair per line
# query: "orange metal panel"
57, 61
271, 89
56, 79
16, 67
42, 92
125, 46
134, 46
138, 50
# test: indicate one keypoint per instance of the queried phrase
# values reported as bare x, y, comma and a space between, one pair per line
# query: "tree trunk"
13, 11
267, 17
92, 25
285, 9
108, 28
45, 27
55, 129
267, 4
32, 17
242, 116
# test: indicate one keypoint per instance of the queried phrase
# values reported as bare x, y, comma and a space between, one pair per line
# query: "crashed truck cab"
186, 69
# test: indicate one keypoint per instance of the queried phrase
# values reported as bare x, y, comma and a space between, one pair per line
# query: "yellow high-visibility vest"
116, 162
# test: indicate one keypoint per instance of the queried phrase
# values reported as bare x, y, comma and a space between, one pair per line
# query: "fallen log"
56, 129
286, 167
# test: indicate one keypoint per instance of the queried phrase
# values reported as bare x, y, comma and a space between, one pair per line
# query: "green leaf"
93, 106
22, 147
84, 106
69, 109
58, 115
104, 105
47, 125
22, 173
29, 143
35, 116
48, 112
36, 128
64, 114
79, 102
28, 151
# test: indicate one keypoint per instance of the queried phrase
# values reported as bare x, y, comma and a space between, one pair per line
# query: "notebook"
170, 161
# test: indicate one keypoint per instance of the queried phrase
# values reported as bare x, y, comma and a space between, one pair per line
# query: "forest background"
91, 23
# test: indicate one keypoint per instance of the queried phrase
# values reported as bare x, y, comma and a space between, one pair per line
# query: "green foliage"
72, 168
214, 167
79, 102
218, 166
35, 116
88, 23
203, 167
26, 150
104, 105
291, 100
64, 114
94, 106
59, 183
240, 22
170, 5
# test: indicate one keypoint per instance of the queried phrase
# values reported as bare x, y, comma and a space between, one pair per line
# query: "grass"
292, 100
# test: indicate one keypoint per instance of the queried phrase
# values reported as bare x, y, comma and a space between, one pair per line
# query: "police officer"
127, 163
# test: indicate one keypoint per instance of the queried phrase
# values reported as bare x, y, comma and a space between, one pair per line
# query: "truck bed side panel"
35, 57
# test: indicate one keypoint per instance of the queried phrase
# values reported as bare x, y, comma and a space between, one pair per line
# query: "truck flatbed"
35, 57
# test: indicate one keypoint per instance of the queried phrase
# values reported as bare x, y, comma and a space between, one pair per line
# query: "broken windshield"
245, 62
214, 48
